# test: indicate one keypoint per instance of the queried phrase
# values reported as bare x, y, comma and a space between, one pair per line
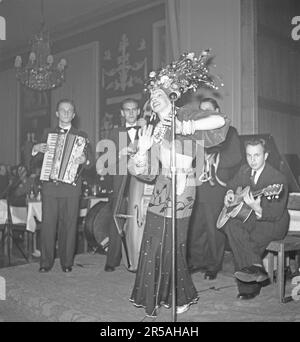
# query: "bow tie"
62, 130
130, 127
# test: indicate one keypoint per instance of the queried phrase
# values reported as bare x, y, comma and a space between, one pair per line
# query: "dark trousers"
206, 244
248, 242
60, 216
114, 253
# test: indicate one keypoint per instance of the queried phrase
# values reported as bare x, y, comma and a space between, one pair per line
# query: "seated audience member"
22, 186
4, 180
206, 244
269, 219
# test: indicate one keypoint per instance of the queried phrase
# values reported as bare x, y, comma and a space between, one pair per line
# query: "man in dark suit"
60, 201
124, 139
206, 244
269, 220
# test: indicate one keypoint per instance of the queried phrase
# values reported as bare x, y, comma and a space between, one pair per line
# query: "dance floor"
90, 294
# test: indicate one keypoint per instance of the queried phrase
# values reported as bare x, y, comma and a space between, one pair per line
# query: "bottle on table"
31, 193
39, 193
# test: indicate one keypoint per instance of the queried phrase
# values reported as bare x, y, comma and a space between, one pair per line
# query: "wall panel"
9, 118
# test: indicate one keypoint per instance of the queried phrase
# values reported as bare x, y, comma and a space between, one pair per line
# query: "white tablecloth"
18, 214
35, 211
294, 221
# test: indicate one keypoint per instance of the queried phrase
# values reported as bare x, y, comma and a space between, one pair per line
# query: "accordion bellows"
59, 161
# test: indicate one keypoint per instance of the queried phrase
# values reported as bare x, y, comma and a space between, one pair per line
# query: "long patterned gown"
153, 286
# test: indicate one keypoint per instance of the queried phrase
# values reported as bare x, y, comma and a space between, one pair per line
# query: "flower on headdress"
164, 79
174, 86
190, 55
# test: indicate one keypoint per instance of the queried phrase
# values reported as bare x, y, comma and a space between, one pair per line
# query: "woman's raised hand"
145, 139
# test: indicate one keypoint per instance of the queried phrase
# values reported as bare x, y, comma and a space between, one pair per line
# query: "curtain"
178, 16
173, 34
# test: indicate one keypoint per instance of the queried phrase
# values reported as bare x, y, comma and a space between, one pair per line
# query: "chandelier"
40, 73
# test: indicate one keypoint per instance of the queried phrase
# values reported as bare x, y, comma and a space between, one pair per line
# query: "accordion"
59, 161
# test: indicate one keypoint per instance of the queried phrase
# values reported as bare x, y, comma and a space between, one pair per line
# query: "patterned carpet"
89, 294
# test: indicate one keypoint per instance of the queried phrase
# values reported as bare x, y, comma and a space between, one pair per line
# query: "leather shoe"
210, 275
44, 269
251, 274
109, 268
195, 269
247, 296
67, 269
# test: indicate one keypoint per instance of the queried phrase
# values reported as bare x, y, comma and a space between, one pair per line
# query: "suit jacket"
121, 139
230, 155
274, 211
59, 189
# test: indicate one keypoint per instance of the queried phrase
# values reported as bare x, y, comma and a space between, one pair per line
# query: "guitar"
239, 209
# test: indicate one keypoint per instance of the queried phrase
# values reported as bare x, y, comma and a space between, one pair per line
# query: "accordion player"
59, 162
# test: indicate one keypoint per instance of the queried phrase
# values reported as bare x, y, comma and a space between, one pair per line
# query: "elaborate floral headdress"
188, 72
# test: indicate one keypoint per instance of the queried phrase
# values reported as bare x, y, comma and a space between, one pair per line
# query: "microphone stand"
8, 227
173, 98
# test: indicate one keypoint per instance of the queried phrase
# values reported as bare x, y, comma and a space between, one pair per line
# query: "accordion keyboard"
49, 156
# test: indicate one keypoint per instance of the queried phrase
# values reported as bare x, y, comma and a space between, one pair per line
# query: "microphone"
174, 95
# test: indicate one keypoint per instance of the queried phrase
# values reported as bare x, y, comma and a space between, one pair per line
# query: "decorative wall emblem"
126, 74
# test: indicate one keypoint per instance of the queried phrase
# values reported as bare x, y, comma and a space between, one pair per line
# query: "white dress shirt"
131, 132
258, 173
255, 180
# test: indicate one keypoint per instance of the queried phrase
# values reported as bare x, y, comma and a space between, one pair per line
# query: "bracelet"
140, 159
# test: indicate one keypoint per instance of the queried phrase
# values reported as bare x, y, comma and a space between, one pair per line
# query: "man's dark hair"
255, 142
71, 102
129, 100
212, 101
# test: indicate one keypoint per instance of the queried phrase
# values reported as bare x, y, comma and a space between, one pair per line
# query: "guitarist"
268, 221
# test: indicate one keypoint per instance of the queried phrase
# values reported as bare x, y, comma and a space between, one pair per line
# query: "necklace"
159, 132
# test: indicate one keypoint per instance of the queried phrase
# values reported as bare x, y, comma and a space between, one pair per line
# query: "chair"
291, 243
18, 224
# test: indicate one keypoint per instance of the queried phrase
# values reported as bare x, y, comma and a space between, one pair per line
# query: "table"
31, 215
18, 214
34, 211
294, 221
34, 216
